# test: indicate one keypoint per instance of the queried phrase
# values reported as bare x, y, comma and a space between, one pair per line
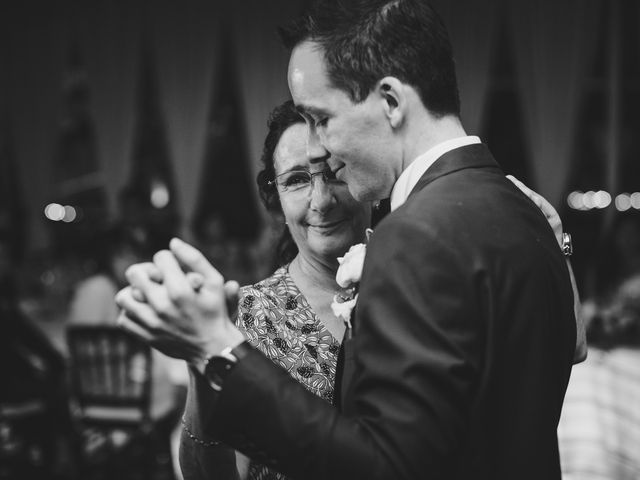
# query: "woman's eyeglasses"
299, 180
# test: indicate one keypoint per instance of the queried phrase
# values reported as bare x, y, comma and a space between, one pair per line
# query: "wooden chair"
111, 384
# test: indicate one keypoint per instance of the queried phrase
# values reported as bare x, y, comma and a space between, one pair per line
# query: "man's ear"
392, 93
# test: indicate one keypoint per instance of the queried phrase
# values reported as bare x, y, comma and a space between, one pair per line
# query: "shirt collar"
410, 176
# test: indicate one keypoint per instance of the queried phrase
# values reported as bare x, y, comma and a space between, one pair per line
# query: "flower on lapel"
348, 277
350, 269
342, 307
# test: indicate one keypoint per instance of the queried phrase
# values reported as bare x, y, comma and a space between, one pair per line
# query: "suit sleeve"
415, 365
202, 457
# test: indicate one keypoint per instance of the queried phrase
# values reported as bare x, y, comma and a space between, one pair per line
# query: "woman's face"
323, 218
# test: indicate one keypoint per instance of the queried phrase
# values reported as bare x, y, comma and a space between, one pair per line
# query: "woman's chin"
332, 248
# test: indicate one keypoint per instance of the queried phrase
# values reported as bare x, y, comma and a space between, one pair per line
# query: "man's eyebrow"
309, 110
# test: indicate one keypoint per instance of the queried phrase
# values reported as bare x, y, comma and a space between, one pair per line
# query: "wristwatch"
218, 367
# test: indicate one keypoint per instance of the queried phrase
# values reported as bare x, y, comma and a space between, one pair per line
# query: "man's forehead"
308, 53
306, 69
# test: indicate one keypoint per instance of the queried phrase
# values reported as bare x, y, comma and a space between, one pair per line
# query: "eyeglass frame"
327, 175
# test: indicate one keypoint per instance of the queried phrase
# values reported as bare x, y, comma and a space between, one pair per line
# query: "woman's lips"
326, 225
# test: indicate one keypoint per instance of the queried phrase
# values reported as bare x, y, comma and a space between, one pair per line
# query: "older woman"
287, 316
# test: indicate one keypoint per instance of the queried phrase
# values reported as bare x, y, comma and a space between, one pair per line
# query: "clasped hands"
179, 304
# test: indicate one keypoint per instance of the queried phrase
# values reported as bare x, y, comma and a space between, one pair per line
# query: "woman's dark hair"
280, 119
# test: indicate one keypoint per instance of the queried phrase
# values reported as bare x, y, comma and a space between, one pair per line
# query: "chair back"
109, 368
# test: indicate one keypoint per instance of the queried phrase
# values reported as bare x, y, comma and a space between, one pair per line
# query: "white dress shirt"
410, 176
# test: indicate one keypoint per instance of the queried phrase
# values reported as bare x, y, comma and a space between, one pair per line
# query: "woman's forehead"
291, 151
291, 148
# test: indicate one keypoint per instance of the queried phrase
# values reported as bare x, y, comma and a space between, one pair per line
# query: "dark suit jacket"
463, 346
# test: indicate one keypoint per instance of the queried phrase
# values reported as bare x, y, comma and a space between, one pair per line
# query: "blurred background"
124, 123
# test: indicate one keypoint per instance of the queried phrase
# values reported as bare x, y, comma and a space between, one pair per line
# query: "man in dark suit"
464, 333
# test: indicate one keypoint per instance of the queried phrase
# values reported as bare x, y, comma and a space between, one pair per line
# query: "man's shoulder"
469, 214
469, 197
453, 199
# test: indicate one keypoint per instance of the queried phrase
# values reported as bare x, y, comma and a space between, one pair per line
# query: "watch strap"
241, 350
230, 357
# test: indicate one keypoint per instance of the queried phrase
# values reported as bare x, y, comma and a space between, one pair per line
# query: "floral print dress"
277, 320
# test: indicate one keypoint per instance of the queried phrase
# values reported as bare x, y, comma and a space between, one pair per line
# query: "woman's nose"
322, 197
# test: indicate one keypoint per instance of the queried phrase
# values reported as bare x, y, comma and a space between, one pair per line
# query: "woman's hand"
549, 212
178, 304
556, 224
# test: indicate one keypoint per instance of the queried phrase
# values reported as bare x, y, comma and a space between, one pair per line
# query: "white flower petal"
343, 310
350, 270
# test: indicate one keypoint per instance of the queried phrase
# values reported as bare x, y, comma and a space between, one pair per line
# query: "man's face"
364, 151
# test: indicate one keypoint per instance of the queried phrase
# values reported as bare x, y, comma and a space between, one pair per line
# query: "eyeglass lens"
301, 179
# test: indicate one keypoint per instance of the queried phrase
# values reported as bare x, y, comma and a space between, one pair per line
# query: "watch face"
217, 369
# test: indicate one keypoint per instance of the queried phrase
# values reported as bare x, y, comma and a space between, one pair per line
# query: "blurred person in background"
620, 255
93, 303
111, 252
599, 430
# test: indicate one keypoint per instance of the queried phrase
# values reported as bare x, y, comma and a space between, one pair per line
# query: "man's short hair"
366, 40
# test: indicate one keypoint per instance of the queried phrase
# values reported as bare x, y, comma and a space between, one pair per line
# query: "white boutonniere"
348, 277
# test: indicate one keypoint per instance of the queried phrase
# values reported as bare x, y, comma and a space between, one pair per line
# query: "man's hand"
178, 304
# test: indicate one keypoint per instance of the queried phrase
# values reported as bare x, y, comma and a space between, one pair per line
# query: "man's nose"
315, 148
322, 197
